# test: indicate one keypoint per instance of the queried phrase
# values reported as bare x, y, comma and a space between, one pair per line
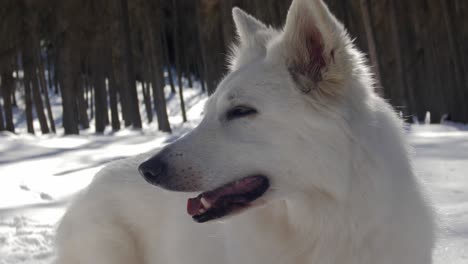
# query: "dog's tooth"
205, 203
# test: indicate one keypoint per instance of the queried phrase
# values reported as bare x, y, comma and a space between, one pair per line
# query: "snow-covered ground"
441, 161
39, 175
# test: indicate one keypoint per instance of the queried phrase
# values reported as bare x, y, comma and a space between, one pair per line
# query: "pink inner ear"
309, 58
315, 53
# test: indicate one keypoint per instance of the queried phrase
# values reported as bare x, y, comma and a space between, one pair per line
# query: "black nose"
153, 170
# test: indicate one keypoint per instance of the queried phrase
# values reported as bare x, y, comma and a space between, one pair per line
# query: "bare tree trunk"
38, 103
30, 63
49, 69
129, 73
56, 71
367, 20
87, 85
227, 22
13, 94
91, 105
212, 44
118, 71
188, 74
18, 81
100, 103
177, 58
67, 76
31, 80
147, 100
199, 44
28, 103
115, 120
44, 87
2, 122
113, 94
156, 60
145, 71
167, 61
459, 107
7, 88
82, 103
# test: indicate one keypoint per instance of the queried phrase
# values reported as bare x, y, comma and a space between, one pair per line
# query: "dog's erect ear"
253, 37
315, 45
247, 26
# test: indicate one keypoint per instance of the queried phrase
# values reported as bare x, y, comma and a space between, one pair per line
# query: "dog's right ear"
253, 37
315, 44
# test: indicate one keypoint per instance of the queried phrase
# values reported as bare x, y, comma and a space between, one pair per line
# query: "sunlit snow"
40, 174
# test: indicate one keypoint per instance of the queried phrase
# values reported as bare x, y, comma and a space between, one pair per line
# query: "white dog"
297, 161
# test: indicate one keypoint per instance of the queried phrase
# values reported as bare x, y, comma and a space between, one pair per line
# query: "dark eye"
240, 111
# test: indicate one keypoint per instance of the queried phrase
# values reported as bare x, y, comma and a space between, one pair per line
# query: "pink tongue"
238, 187
193, 206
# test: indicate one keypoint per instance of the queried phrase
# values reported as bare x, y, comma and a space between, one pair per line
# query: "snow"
441, 160
40, 174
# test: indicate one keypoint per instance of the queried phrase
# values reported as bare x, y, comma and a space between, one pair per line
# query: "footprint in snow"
45, 196
24, 187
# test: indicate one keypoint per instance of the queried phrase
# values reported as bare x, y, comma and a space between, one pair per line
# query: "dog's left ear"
253, 37
247, 26
315, 47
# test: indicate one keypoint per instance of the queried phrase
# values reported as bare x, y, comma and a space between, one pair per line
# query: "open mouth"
227, 199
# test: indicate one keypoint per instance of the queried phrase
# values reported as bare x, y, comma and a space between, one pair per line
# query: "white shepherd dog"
297, 161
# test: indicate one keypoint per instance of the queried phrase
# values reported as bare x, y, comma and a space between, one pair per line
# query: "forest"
93, 54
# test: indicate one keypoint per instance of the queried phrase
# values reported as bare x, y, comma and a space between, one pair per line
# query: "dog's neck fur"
337, 223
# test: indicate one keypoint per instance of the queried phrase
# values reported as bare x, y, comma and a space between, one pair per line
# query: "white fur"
342, 186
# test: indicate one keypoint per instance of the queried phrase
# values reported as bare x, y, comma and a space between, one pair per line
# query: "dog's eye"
240, 111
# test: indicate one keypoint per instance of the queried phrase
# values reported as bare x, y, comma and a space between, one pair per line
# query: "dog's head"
275, 126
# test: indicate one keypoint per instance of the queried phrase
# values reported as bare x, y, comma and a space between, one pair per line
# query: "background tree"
100, 55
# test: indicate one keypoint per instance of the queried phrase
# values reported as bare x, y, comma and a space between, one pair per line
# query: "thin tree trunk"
156, 60
145, 71
86, 91
82, 103
210, 40
28, 103
7, 88
26, 66
367, 21
177, 58
147, 100
187, 72
30, 63
113, 100
201, 48
56, 71
18, 82
67, 76
118, 70
31, 79
14, 102
38, 103
100, 103
45, 88
459, 110
227, 26
2, 121
129, 74
91, 105
49, 69
167, 61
